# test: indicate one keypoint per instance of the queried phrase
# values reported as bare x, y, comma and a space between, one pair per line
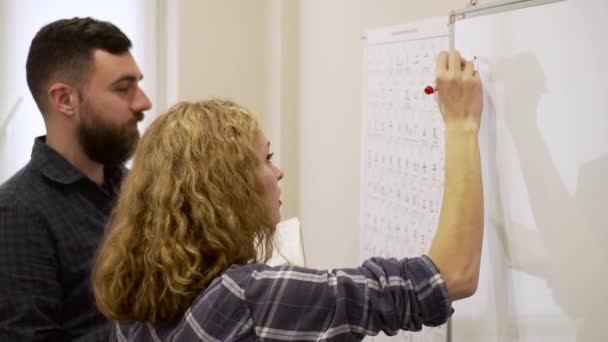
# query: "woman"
180, 261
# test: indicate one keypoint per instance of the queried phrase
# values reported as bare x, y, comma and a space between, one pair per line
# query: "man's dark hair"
63, 51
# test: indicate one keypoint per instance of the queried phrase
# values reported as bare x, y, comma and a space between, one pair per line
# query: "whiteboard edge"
495, 7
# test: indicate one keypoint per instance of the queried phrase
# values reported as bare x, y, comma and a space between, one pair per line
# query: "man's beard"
106, 143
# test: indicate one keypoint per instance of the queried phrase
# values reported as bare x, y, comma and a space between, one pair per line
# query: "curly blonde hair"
190, 207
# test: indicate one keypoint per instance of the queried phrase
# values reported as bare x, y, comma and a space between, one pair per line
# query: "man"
53, 211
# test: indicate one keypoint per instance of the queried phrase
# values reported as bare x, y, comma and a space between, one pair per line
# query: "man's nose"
141, 102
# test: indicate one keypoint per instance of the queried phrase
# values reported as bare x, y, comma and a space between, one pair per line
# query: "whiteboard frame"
492, 8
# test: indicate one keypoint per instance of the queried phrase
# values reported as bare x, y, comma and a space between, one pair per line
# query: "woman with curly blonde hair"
181, 260
189, 208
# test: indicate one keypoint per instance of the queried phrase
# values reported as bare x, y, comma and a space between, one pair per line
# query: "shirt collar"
56, 168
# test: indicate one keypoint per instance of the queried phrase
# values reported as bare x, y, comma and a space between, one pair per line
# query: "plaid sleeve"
411, 293
30, 295
299, 304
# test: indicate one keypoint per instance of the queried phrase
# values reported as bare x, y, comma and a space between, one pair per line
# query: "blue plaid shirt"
256, 302
52, 218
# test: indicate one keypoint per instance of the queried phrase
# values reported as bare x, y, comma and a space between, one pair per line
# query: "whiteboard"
402, 150
544, 141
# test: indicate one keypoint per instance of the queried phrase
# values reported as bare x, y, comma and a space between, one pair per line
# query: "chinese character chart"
402, 151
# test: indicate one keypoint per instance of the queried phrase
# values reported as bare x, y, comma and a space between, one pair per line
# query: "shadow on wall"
565, 250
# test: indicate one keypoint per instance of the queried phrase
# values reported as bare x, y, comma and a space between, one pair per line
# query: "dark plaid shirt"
52, 218
258, 303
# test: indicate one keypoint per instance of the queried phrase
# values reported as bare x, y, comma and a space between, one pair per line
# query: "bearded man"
85, 82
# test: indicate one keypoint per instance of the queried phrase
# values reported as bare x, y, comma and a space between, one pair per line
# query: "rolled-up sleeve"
293, 303
405, 294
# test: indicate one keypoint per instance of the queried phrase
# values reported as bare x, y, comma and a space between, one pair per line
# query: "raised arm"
456, 247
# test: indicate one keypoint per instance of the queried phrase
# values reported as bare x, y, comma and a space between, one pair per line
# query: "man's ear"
63, 98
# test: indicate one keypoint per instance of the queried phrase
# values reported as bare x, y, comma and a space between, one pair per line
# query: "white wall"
242, 50
219, 49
